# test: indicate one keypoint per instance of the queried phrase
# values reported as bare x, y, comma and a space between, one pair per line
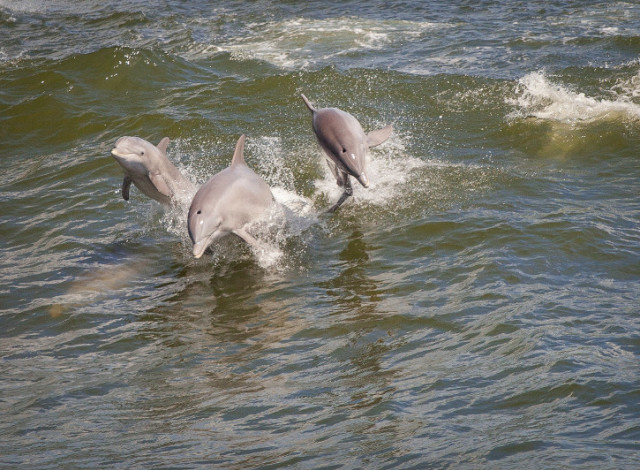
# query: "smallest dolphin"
346, 145
227, 203
148, 167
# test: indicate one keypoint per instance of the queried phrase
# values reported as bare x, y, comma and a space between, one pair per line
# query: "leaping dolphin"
148, 167
341, 137
227, 203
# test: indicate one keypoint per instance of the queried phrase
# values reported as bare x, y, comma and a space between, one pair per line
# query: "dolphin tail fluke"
238, 155
126, 184
163, 144
306, 101
379, 136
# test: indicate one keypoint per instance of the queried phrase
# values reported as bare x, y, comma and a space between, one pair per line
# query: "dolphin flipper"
126, 184
242, 233
378, 136
160, 184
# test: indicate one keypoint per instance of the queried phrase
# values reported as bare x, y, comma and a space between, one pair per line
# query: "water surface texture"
475, 307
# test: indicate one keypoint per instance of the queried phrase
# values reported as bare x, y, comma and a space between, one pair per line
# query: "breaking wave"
539, 97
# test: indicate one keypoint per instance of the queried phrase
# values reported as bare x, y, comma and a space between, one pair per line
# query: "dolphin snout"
364, 180
117, 151
199, 249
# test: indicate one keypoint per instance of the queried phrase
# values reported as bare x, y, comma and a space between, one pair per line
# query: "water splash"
290, 217
389, 168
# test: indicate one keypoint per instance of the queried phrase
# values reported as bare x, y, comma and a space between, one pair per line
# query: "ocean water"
475, 307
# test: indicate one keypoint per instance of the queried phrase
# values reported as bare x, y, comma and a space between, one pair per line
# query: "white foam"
538, 97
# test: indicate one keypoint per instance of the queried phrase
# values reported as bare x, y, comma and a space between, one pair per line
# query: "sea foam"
299, 43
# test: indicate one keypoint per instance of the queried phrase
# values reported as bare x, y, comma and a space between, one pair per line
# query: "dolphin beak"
364, 180
115, 151
199, 248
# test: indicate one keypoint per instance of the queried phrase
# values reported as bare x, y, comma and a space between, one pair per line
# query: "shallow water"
475, 307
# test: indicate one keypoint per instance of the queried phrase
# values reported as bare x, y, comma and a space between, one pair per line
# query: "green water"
475, 307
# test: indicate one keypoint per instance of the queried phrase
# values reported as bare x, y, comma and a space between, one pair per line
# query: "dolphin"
148, 167
346, 145
227, 203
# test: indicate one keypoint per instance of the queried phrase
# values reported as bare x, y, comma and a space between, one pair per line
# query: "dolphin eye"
199, 212
344, 150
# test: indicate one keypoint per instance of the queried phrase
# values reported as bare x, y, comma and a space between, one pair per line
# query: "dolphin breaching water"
346, 145
228, 203
148, 168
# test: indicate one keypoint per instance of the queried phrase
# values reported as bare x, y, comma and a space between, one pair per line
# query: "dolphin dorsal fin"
238, 155
306, 101
163, 144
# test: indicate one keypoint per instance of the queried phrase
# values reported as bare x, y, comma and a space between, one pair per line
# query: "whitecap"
539, 97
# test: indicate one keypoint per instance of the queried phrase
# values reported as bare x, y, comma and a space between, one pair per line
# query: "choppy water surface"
476, 307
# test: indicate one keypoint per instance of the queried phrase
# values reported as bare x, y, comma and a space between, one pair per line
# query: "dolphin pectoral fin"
126, 184
163, 144
160, 184
242, 233
378, 136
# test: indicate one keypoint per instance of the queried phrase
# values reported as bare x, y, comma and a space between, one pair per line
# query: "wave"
537, 96
299, 43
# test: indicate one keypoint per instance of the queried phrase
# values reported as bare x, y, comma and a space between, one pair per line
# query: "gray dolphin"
341, 137
148, 167
227, 203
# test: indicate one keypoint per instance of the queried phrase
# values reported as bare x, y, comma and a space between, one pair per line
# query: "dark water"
476, 307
